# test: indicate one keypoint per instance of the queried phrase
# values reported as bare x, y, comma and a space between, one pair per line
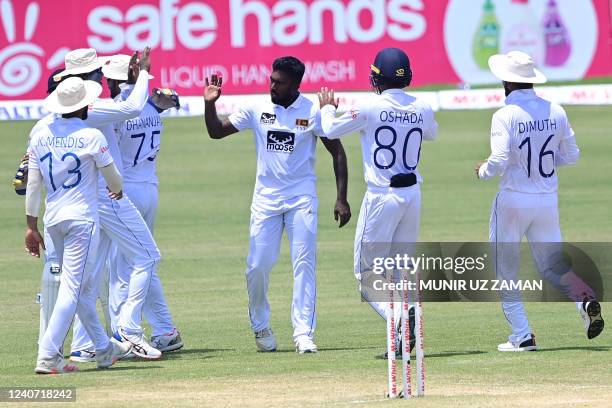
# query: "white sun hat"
117, 67
516, 66
71, 95
81, 61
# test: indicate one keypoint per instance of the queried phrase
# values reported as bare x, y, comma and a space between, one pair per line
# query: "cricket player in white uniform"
392, 125
139, 143
120, 221
530, 138
51, 273
285, 130
65, 154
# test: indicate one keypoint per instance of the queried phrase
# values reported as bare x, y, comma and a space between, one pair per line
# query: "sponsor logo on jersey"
280, 142
267, 118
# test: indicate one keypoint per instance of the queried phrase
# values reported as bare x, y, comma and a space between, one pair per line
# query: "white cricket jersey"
139, 142
105, 112
285, 141
68, 154
530, 137
392, 126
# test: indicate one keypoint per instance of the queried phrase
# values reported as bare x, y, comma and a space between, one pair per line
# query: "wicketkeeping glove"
21, 177
165, 98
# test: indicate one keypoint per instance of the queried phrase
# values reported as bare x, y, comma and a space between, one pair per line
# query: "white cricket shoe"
265, 340
167, 342
113, 353
139, 345
528, 344
304, 344
54, 365
591, 315
83, 356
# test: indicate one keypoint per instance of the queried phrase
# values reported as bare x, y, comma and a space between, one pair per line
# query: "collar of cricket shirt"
392, 91
295, 105
519, 94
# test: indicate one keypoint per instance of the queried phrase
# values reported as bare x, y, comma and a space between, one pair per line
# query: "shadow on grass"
120, 366
576, 348
192, 353
327, 349
444, 354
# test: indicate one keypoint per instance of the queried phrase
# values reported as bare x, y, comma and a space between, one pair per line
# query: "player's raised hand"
342, 213
145, 59
327, 97
33, 242
212, 92
133, 69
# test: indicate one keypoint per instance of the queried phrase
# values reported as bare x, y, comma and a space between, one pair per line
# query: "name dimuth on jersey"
537, 125
400, 117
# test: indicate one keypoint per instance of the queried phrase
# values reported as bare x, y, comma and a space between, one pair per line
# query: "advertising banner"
448, 42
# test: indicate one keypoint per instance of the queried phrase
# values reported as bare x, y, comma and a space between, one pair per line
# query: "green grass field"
202, 231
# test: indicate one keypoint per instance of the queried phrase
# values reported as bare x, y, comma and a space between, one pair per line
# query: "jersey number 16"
543, 153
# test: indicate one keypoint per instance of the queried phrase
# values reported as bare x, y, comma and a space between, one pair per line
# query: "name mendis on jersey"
65, 142
537, 125
401, 117
139, 123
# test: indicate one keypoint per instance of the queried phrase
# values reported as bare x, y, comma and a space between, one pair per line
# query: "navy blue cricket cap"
393, 64
54, 80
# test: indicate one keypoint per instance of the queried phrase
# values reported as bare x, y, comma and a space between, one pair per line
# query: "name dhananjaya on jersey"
400, 117
537, 125
140, 123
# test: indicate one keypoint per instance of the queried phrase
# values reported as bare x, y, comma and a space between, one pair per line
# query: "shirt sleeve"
99, 150
32, 159
106, 112
431, 131
500, 149
335, 127
569, 152
242, 119
34, 193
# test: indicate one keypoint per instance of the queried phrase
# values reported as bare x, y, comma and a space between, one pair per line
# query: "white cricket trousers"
389, 218
75, 244
516, 215
298, 216
122, 224
123, 227
144, 196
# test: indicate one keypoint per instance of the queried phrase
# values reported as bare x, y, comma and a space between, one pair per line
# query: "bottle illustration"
521, 31
557, 39
486, 37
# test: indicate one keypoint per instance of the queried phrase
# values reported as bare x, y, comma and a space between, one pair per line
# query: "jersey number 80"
389, 147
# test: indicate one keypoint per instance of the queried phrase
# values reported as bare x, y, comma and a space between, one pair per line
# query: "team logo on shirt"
267, 118
301, 123
280, 142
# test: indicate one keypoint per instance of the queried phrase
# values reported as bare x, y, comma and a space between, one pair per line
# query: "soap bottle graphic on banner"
561, 35
522, 31
486, 38
556, 36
